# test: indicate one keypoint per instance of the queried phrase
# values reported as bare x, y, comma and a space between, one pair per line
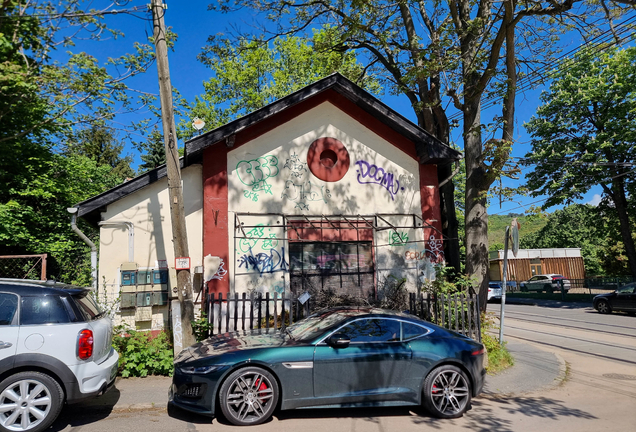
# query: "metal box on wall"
128, 277
144, 299
128, 300
160, 277
159, 298
144, 277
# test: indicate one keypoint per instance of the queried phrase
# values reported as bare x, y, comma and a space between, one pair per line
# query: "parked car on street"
494, 291
340, 357
55, 348
546, 283
623, 299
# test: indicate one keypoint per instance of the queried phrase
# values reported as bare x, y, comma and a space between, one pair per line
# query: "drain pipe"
131, 235
73, 212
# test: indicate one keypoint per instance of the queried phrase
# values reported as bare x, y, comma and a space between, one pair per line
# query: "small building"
327, 188
530, 262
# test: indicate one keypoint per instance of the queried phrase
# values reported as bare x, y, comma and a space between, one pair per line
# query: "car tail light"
85, 344
478, 352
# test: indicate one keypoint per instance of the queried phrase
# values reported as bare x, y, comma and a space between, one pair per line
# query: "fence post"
210, 311
275, 310
260, 311
267, 311
243, 312
220, 312
282, 313
252, 310
478, 317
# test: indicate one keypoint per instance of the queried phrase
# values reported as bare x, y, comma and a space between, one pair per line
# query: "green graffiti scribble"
398, 238
258, 237
254, 173
250, 195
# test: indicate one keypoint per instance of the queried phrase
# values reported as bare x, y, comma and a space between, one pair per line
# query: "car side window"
42, 310
411, 331
8, 307
372, 330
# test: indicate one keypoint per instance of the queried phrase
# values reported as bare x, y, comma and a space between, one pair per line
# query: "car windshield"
316, 324
627, 289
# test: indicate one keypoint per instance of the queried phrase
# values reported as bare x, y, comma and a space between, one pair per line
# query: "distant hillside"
497, 227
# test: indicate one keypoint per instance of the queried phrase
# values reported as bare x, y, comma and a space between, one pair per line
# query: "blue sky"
192, 21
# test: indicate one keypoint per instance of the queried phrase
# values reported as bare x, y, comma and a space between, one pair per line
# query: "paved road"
576, 329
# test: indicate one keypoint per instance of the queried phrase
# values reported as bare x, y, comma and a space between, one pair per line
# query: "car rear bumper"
93, 379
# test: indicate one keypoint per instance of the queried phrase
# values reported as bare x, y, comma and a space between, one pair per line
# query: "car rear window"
88, 306
8, 306
43, 310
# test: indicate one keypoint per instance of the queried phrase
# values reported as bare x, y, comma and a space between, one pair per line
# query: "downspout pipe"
73, 212
131, 235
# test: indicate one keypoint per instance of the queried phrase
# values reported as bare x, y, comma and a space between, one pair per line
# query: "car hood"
234, 341
605, 295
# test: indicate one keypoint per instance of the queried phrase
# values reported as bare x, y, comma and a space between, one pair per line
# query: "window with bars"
345, 268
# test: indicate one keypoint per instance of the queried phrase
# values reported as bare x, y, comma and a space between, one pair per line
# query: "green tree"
584, 135
575, 226
153, 151
48, 91
441, 54
100, 143
251, 74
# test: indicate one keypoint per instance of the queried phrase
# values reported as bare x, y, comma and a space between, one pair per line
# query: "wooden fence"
458, 312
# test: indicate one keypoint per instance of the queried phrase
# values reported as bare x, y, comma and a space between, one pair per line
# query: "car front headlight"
198, 370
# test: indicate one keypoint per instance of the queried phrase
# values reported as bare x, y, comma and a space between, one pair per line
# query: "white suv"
55, 347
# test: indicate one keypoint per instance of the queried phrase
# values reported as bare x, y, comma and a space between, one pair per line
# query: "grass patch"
499, 358
574, 298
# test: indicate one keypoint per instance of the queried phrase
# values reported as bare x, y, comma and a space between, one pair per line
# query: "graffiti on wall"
250, 195
220, 272
434, 252
258, 238
255, 172
297, 167
372, 174
270, 261
397, 238
304, 192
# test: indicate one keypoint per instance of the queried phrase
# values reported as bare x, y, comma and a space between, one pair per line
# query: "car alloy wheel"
249, 396
446, 392
29, 401
603, 307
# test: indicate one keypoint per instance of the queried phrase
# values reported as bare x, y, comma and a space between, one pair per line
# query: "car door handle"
5, 345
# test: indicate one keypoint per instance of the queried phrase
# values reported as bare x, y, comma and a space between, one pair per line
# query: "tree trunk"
476, 216
620, 201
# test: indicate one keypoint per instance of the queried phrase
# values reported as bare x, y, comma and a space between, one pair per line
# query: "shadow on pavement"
84, 413
483, 417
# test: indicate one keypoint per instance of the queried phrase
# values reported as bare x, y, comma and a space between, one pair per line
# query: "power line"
607, 39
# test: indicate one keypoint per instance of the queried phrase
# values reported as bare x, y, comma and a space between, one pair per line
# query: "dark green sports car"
342, 357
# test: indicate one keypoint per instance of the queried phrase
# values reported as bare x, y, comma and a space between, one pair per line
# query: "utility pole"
182, 327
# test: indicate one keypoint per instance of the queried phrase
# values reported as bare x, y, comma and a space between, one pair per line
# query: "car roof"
36, 287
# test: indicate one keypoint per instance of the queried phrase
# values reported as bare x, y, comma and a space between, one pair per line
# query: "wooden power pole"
182, 326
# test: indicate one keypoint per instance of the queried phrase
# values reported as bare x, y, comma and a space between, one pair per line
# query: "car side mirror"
339, 340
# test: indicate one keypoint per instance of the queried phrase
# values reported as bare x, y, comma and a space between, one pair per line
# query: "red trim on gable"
339, 101
215, 212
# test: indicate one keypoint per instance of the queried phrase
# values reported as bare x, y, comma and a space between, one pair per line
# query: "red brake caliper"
262, 387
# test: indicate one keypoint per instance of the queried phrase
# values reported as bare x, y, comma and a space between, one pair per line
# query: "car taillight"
478, 352
85, 344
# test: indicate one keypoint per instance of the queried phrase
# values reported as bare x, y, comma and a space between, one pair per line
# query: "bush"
201, 328
499, 358
142, 354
